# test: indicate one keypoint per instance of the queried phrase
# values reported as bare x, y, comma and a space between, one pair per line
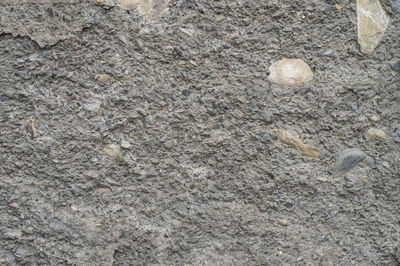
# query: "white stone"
290, 72
372, 22
377, 133
126, 144
93, 106
152, 9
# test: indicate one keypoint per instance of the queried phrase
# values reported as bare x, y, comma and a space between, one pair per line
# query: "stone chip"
377, 133
372, 22
287, 138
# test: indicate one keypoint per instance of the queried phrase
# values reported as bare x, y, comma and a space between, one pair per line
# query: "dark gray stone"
348, 159
395, 65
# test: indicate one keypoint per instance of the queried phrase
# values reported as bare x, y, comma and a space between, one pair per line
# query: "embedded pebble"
374, 118
104, 78
395, 65
325, 53
284, 222
126, 144
290, 72
268, 118
287, 138
114, 151
150, 9
348, 159
377, 133
30, 127
12, 234
27, 230
14, 205
372, 22
369, 161
93, 106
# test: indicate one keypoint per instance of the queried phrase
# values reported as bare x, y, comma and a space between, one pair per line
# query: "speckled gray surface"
203, 180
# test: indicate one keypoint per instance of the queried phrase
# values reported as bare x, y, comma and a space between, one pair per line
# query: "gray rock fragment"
348, 159
372, 22
369, 161
395, 65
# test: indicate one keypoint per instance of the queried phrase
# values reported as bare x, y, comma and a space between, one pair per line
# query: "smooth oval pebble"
374, 118
284, 222
290, 72
348, 159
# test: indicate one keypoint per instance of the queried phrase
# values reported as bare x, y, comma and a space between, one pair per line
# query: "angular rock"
104, 78
372, 22
377, 133
93, 106
153, 10
126, 144
30, 127
290, 72
114, 151
287, 138
348, 159
374, 118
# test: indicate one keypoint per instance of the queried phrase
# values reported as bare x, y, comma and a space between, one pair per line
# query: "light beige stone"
372, 22
377, 133
287, 138
114, 151
290, 72
104, 78
152, 9
374, 118
284, 222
